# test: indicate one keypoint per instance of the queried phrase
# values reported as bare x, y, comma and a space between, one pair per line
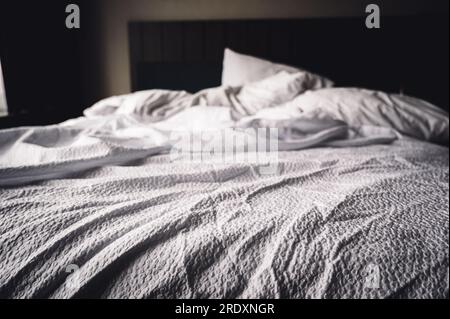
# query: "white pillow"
407, 115
275, 90
240, 69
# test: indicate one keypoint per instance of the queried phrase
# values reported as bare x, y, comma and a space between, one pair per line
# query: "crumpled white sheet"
34, 154
407, 115
133, 126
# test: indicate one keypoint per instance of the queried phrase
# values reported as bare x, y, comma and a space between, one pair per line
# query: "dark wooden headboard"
408, 54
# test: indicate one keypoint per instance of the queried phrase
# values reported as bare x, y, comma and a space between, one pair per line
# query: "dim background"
53, 71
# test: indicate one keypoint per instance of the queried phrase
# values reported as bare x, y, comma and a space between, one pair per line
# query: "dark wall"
44, 63
408, 54
53, 73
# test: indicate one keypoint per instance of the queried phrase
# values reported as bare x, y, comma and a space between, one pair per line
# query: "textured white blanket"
335, 223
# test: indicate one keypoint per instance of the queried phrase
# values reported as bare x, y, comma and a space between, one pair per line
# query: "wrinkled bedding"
34, 154
98, 208
157, 229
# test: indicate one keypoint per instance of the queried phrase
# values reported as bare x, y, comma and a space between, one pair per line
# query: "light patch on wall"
3, 106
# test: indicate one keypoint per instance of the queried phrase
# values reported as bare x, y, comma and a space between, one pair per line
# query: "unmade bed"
134, 199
